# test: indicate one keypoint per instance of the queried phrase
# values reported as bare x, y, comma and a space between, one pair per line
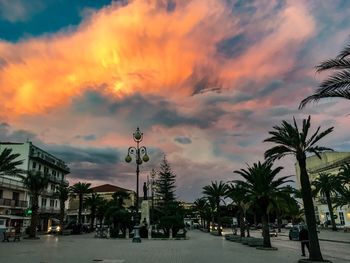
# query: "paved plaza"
200, 247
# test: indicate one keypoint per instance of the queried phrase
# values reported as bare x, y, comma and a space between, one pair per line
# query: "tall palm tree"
292, 141
338, 83
263, 188
216, 191
80, 189
201, 206
62, 193
239, 197
93, 201
36, 182
326, 184
8, 163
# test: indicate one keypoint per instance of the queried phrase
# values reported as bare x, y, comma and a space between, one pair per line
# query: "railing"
49, 210
50, 159
11, 182
13, 203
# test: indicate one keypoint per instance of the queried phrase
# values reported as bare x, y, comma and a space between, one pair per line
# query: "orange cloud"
140, 47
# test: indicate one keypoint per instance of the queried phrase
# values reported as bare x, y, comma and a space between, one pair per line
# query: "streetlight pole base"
136, 238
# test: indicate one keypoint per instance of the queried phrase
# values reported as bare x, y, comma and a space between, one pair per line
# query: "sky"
205, 80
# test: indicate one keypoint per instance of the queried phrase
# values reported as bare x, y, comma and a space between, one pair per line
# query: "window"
43, 202
55, 203
34, 165
54, 173
52, 202
46, 170
39, 167
52, 187
1, 193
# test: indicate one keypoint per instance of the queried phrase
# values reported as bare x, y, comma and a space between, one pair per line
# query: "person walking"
304, 239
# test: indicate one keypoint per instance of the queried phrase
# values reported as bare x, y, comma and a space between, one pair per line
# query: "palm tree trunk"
266, 233
315, 250
329, 204
218, 217
34, 217
241, 223
61, 214
279, 222
80, 208
92, 218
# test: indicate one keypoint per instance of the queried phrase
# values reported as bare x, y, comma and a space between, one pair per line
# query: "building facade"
15, 199
329, 163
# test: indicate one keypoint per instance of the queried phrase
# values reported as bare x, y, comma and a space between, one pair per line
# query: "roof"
108, 188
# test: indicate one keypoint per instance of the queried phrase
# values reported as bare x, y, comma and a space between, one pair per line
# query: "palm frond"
344, 53
336, 64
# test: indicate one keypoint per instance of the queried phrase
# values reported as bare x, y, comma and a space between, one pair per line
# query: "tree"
262, 189
165, 186
93, 201
338, 83
8, 163
344, 174
239, 197
291, 141
62, 193
216, 191
119, 198
326, 184
201, 206
343, 199
36, 182
80, 189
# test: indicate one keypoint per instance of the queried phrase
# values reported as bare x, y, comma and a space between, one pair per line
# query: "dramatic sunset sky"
204, 79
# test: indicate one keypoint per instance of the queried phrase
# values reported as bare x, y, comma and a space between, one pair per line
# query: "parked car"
273, 232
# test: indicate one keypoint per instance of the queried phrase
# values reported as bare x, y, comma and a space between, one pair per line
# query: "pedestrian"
304, 239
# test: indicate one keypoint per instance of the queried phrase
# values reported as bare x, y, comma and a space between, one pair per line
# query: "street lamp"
140, 154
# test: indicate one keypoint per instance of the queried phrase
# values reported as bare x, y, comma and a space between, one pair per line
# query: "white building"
14, 197
330, 163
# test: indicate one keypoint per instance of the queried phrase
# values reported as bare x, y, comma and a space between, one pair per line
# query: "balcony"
13, 203
11, 183
48, 210
50, 160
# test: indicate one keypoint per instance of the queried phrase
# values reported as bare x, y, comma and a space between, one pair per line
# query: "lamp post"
140, 154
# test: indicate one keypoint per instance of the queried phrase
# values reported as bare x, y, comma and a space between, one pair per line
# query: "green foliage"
174, 222
80, 189
338, 83
165, 184
8, 163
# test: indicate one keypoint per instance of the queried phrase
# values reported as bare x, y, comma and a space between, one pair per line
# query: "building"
106, 191
329, 163
15, 198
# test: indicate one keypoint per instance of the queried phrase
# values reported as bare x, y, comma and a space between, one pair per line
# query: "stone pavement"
201, 247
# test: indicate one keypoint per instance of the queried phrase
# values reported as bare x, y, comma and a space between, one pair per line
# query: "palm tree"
36, 182
343, 199
239, 197
119, 198
93, 201
338, 83
326, 184
8, 163
344, 174
201, 206
291, 141
62, 193
262, 189
216, 191
80, 189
